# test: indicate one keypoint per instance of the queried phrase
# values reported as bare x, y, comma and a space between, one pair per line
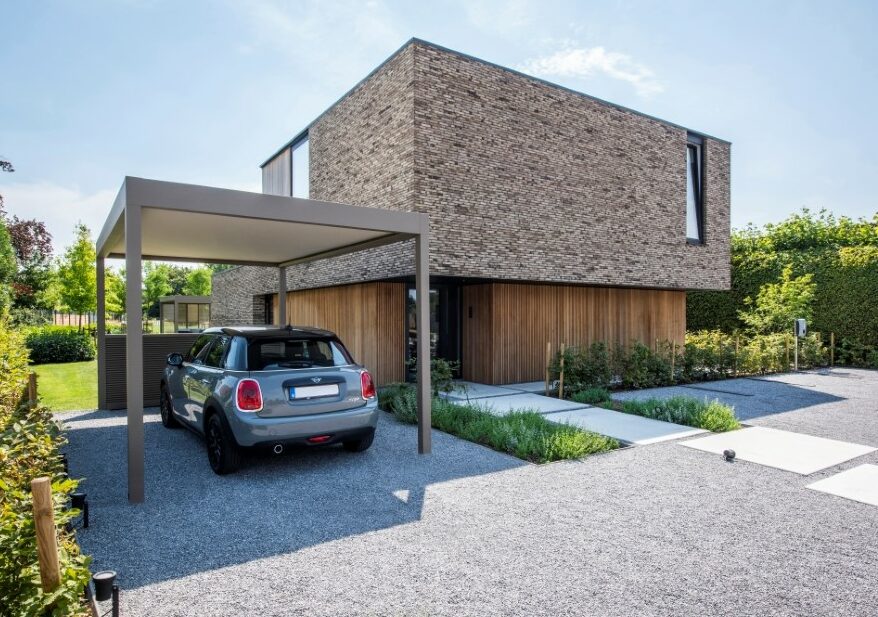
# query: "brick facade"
523, 181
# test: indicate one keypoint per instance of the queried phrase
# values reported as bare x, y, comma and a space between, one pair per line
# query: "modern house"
555, 217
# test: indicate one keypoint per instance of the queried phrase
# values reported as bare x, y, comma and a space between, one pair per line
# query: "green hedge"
30, 441
51, 344
842, 256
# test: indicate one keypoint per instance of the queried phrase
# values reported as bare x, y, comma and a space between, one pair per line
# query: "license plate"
301, 392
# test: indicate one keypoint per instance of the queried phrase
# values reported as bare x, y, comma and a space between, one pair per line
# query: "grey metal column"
282, 296
134, 352
422, 299
101, 332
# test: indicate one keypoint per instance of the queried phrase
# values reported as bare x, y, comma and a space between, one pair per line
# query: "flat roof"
186, 222
414, 40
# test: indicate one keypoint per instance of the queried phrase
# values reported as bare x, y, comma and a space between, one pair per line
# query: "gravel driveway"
650, 530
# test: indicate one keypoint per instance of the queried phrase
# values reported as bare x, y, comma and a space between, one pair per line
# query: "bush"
591, 396
584, 367
641, 367
60, 344
524, 434
30, 440
709, 415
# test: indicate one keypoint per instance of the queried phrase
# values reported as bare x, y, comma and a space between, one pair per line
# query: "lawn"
69, 386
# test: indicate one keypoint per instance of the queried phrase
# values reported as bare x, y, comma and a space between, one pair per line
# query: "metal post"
101, 332
134, 353
422, 295
282, 296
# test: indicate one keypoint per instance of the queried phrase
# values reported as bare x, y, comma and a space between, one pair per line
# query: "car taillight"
367, 386
249, 395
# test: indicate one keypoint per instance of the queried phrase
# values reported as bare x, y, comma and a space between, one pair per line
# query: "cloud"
587, 62
60, 207
500, 16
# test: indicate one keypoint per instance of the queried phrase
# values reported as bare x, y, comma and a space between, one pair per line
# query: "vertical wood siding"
368, 317
276, 175
505, 339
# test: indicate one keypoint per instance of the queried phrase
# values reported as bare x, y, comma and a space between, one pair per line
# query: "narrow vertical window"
300, 167
694, 191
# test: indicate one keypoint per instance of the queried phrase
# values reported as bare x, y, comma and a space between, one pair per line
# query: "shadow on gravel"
194, 521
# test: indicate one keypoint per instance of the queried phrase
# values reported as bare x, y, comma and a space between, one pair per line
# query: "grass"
524, 434
69, 386
708, 415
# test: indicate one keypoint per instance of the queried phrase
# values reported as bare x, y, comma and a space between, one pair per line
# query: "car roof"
256, 332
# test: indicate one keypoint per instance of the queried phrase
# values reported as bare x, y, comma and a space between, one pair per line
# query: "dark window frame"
696, 143
298, 142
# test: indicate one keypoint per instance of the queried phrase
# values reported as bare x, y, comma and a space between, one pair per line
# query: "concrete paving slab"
858, 484
623, 426
536, 387
502, 405
477, 390
802, 454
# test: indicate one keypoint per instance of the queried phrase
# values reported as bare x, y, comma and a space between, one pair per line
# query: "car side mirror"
175, 359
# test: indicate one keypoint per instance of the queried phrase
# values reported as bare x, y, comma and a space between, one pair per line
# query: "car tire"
359, 445
223, 453
166, 410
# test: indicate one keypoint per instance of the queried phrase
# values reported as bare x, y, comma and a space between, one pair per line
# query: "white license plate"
300, 392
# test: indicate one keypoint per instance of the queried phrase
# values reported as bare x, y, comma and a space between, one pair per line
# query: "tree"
32, 243
197, 282
778, 304
7, 254
156, 283
115, 291
76, 274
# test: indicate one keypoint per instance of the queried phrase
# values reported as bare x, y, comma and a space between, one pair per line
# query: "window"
215, 355
197, 346
694, 191
278, 354
301, 167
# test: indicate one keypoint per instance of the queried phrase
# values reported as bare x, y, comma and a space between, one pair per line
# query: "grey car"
251, 387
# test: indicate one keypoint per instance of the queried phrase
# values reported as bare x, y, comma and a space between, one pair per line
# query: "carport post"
101, 332
134, 352
422, 292
282, 296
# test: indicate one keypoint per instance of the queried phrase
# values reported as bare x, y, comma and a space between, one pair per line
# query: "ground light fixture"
106, 589
729, 455
80, 502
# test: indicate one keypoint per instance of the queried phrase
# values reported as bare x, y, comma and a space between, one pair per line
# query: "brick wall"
522, 181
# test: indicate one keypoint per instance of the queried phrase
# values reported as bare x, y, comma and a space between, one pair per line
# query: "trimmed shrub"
709, 415
640, 367
591, 396
52, 344
30, 440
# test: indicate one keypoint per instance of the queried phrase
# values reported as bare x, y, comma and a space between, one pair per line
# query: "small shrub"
60, 344
709, 415
640, 367
591, 396
584, 367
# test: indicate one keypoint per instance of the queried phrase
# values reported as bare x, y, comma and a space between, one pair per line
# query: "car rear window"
286, 353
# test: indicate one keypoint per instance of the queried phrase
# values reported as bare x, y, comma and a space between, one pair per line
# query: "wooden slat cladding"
276, 175
156, 348
505, 339
368, 317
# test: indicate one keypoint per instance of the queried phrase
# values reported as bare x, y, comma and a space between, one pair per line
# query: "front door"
444, 325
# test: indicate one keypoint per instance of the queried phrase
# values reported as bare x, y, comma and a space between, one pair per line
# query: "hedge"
842, 255
30, 442
50, 344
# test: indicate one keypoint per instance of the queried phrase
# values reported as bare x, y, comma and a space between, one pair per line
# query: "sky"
203, 92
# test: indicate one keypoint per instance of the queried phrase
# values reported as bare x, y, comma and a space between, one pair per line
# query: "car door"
177, 378
209, 373
191, 378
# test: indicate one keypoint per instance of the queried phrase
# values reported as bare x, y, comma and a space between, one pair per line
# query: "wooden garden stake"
736, 354
832, 349
47, 539
786, 344
561, 379
673, 353
32, 390
548, 364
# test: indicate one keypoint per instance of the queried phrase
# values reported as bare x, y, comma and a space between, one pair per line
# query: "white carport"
151, 219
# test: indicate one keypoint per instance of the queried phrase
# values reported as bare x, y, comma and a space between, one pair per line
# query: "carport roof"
184, 222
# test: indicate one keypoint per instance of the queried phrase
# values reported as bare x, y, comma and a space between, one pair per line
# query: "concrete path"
625, 427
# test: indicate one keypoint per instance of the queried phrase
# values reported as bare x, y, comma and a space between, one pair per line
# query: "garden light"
729, 455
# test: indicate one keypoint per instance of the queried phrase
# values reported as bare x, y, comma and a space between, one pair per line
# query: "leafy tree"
7, 254
76, 274
33, 253
115, 291
778, 304
198, 282
156, 283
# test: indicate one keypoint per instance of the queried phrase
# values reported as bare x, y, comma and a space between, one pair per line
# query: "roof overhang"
184, 222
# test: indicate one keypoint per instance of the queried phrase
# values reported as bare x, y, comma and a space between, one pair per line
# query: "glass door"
444, 325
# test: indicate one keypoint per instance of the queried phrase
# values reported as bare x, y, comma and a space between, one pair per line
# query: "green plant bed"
525, 434
708, 415
69, 386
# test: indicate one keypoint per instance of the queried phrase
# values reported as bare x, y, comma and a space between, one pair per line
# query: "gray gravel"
650, 530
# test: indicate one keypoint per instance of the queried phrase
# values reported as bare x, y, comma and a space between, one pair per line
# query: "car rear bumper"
251, 430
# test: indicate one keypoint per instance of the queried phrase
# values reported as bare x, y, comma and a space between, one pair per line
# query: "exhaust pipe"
278, 448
